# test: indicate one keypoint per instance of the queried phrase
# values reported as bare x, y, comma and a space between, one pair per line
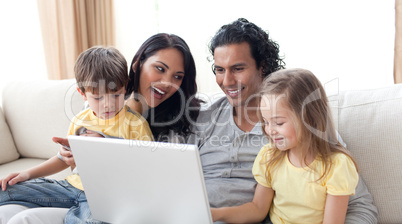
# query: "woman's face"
161, 76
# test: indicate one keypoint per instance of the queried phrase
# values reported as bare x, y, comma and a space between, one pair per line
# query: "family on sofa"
162, 73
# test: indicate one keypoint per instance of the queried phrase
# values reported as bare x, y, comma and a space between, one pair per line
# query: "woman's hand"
66, 154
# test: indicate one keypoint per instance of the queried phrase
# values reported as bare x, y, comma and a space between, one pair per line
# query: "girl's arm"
254, 211
49, 167
335, 209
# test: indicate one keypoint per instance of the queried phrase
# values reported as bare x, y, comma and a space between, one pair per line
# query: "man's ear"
82, 94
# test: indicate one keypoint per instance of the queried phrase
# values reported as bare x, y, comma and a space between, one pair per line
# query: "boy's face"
105, 105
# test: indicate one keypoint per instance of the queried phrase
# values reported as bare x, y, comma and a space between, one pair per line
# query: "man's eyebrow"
231, 66
238, 64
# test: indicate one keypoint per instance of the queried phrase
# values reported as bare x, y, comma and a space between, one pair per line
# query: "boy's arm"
50, 166
335, 209
251, 212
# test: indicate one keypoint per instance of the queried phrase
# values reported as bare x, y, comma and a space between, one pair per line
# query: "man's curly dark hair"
264, 51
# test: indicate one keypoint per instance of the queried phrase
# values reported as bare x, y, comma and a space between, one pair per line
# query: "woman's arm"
251, 212
335, 209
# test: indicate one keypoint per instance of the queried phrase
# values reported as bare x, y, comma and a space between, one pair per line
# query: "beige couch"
370, 122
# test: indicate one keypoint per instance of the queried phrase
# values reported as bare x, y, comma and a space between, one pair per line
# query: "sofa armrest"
8, 151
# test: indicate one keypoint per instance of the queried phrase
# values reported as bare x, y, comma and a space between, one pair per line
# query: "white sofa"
369, 121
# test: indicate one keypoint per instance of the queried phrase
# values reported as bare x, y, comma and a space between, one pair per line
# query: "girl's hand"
12, 179
66, 154
215, 214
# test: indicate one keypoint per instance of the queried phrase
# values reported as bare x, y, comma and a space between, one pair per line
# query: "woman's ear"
82, 94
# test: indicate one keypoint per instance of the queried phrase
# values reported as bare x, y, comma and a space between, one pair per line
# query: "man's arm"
361, 209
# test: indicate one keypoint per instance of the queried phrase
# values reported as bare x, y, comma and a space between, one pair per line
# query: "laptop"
130, 181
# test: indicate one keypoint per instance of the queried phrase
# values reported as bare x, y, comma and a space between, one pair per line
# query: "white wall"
351, 42
22, 56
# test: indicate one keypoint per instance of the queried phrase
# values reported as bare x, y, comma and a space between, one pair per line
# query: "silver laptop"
130, 181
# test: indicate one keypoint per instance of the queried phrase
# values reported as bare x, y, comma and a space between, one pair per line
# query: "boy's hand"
12, 179
67, 155
63, 141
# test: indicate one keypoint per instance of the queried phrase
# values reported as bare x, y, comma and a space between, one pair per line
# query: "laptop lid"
130, 181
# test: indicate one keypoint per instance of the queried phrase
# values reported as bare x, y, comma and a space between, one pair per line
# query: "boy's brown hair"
101, 70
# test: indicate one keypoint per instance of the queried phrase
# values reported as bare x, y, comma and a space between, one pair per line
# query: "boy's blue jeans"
50, 193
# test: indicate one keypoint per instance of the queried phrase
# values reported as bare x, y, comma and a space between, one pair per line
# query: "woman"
158, 80
162, 87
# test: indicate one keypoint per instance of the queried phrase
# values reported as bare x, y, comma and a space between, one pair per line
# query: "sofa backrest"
370, 123
37, 111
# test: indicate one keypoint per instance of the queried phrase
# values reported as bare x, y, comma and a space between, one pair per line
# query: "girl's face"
278, 121
161, 76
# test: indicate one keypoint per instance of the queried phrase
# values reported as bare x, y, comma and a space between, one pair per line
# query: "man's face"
237, 74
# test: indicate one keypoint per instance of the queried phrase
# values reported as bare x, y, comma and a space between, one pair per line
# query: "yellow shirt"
126, 124
298, 198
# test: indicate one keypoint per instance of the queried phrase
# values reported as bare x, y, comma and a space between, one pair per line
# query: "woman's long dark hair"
181, 109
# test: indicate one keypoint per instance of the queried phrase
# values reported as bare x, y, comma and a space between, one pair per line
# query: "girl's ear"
82, 94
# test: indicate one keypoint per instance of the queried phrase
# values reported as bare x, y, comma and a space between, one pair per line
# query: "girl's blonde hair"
308, 102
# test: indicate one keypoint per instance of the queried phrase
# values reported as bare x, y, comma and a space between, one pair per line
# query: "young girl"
304, 174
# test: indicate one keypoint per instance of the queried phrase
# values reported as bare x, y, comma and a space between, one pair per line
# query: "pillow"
8, 151
370, 123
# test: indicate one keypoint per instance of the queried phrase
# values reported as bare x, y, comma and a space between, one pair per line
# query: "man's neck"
245, 117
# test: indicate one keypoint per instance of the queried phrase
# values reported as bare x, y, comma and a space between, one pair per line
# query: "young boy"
102, 78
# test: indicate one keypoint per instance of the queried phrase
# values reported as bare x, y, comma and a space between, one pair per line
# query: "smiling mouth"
277, 139
158, 93
234, 93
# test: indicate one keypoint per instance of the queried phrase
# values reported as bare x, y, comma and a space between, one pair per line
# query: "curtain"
398, 42
71, 26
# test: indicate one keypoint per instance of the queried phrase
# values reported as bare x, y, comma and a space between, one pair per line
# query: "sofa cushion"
8, 151
37, 111
370, 122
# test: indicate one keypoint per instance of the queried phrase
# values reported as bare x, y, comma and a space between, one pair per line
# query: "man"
228, 132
